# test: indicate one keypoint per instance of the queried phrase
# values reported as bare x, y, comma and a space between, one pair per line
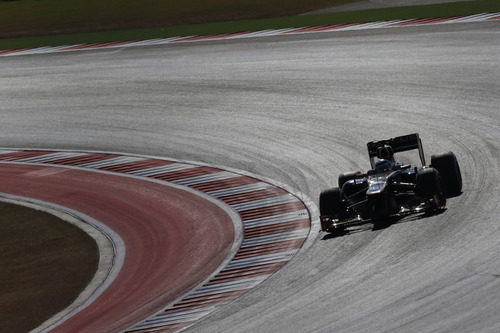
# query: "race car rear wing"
398, 144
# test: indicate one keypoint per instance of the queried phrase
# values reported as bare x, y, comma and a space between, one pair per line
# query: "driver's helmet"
383, 166
385, 152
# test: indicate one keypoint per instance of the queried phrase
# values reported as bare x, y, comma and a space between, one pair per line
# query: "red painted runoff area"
168, 250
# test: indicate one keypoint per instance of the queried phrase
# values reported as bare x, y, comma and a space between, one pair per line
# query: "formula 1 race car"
390, 189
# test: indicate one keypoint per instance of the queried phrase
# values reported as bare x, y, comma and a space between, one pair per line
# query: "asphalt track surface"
300, 109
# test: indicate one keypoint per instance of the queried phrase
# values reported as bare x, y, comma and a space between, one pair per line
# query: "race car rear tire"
345, 177
428, 183
330, 203
448, 168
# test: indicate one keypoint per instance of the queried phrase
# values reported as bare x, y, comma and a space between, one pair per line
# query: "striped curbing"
483, 17
276, 224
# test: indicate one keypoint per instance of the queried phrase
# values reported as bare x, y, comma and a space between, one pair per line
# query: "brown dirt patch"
44, 264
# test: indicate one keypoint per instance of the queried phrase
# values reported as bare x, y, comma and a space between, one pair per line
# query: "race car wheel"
330, 203
448, 168
428, 183
344, 177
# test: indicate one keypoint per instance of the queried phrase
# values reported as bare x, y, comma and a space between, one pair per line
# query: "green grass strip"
386, 14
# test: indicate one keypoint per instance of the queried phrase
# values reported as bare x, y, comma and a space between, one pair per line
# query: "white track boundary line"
311, 212
481, 17
233, 215
111, 255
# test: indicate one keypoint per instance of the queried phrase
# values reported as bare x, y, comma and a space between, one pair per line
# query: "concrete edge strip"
482, 17
311, 206
111, 254
235, 218
311, 235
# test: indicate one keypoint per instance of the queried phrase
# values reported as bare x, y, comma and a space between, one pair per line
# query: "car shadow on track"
382, 224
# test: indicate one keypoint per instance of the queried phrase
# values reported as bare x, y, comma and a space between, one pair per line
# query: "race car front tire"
428, 183
330, 203
448, 168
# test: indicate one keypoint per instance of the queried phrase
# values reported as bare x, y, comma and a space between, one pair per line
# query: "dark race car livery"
390, 188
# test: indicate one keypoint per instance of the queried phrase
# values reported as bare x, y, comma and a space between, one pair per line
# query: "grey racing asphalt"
300, 109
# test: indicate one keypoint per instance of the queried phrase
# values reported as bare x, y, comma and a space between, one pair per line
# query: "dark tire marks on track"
300, 109
276, 224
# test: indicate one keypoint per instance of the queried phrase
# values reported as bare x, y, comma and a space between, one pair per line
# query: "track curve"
224, 230
158, 226
300, 109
